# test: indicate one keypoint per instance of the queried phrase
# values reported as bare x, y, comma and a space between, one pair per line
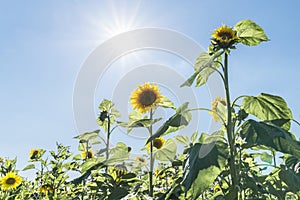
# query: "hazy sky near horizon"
43, 45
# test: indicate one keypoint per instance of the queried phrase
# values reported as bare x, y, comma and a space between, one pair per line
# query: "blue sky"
45, 43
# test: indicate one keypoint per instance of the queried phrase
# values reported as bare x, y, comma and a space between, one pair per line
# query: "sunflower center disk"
147, 98
10, 181
225, 35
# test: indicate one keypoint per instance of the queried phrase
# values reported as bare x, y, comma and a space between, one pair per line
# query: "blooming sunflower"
225, 36
35, 154
87, 154
144, 98
10, 181
215, 107
157, 143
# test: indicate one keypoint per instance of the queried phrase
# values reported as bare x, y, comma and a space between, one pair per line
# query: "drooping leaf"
180, 119
261, 133
167, 103
88, 135
268, 107
204, 66
250, 33
264, 156
291, 179
204, 158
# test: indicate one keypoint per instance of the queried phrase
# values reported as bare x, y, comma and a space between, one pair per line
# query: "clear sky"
43, 45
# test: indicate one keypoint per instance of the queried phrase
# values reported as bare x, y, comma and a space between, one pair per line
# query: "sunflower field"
229, 163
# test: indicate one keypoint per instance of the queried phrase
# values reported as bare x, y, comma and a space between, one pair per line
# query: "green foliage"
205, 65
268, 107
250, 33
269, 135
205, 161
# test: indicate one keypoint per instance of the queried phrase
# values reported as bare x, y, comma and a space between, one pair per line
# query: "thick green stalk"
230, 133
151, 159
108, 137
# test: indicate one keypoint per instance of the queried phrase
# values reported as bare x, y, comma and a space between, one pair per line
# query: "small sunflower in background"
45, 189
141, 160
87, 154
35, 154
217, 105
10, 181
146, 97
157, 143
224, 37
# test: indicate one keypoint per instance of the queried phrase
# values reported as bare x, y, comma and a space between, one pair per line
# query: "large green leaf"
180, 119
250, 33
204, 66
206, 161
269, 135
291, 179
268, 107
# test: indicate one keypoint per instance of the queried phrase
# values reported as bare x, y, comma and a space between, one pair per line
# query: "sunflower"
157, 143
1, 159
140, 160
225, 36
215, 107
35, 154
45, 189
159, 174
146, 97
87, 154
10, 181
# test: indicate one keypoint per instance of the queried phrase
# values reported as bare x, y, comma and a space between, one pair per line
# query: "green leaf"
268, 107
182, 139
261, 133
291, 179
209, 138
180, 119
30, 166
106, 105
118, 193
167, 103
204, 66
265, 157
118, 154
250, 33
194, 137
205, 161
88, 135
167, 152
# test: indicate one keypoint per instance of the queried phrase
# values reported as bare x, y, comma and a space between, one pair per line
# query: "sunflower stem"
151, 159
230, 132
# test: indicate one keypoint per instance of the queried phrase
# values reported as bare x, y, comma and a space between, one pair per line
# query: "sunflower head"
216, 105
35, 154
45, 189
1, 159
87, 154
160, 174
224, 37
10, 181
146, 97
141, 160
157, 143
